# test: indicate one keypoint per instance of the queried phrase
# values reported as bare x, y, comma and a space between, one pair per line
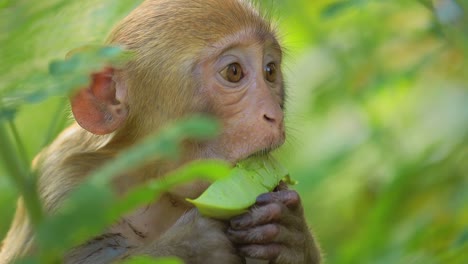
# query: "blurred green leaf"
7, 114
163, 145
462, 239
93, 206
336, 8
203, 169
61, 67
147, 260
65, 75
373, 87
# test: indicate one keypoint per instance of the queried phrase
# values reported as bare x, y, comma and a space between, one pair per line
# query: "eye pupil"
233, 69
270, 72
233, 73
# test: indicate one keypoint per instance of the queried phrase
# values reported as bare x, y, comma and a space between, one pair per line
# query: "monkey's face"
243, 86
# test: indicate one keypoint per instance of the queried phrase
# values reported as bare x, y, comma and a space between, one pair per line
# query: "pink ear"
96, 108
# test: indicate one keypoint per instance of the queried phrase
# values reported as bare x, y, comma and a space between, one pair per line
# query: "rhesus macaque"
218, 57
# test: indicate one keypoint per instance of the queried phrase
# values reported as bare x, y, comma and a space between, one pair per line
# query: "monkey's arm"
103, 249
275, 229
193, 238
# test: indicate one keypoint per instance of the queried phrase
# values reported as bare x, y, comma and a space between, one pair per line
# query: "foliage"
377, 117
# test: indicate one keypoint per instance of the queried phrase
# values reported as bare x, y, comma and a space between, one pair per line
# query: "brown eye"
270, 72
232, 73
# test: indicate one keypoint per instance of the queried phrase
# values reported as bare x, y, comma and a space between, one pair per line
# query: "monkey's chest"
151, 221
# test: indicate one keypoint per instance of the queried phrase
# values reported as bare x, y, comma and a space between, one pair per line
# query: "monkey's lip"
264, 152
258, 154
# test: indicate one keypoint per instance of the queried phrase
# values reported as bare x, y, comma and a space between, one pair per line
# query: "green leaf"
80, 217
211, 170
462, 239
334, 9
7, 114
234, 194
61, 67
93, 206
28, 260
164, 145
65, 75
148, 260
110, 52
90, 209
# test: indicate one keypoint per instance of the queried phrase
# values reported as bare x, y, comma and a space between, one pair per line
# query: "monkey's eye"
233, 73
270, 72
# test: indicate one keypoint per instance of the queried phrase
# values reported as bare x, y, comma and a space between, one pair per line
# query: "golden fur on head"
169, 39
175, 32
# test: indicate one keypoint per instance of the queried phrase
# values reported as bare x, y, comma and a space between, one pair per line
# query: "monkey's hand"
275, 229
196, 240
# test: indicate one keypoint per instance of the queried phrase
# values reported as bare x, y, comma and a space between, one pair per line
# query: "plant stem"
57, 124
20, 175
19, 143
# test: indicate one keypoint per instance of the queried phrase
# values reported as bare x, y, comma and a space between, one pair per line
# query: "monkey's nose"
268, 118
269, 109
274, 116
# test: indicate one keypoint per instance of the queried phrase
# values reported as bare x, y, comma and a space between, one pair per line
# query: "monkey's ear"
97, 107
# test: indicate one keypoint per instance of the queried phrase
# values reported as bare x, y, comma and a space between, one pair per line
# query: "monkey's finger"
257, 235
265, 252
265, 234
290, 198
258, 216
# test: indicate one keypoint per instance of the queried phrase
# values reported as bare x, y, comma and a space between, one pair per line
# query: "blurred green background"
377, 114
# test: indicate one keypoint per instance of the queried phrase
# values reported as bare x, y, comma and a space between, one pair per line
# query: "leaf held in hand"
233, 195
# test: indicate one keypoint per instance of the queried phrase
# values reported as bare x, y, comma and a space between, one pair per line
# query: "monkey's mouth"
261, 153
265, 152
234, 155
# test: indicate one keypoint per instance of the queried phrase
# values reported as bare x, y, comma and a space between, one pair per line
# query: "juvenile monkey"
219, 57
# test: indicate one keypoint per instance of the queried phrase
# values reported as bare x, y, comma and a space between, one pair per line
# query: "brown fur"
172, 40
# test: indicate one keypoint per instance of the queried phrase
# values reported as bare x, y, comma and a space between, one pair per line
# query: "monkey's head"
219, 57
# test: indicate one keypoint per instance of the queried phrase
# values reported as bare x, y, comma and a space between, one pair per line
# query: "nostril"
269, 119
